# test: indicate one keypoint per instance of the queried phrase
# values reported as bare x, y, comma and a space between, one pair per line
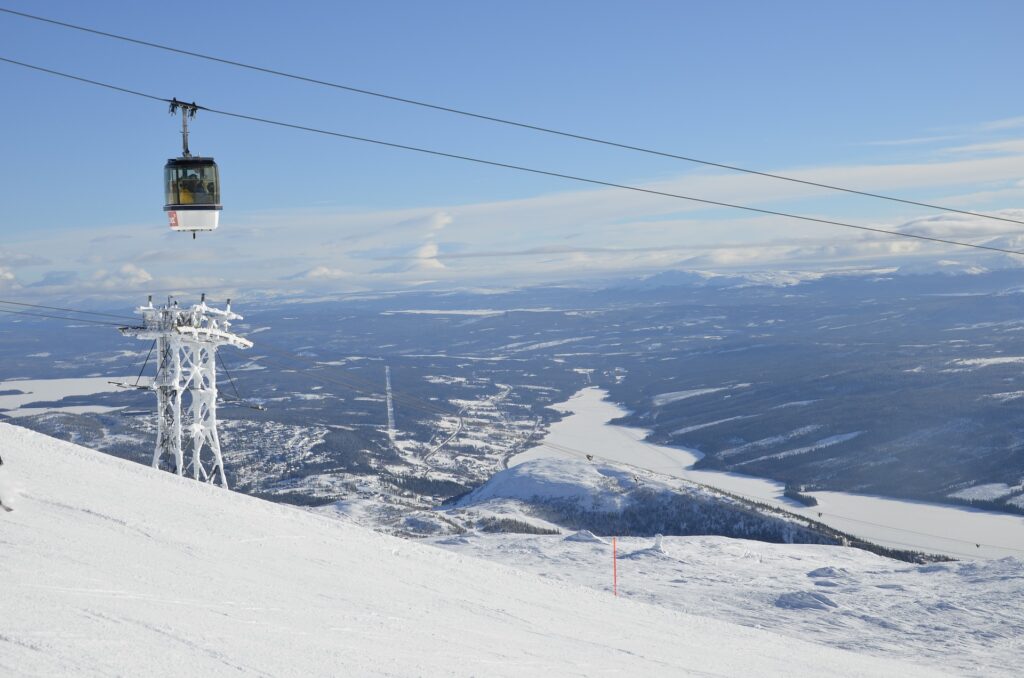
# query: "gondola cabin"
192, 194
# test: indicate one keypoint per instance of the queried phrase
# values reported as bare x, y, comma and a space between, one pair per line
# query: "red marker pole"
615, 568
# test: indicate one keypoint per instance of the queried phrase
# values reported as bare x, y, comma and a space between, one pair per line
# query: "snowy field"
963, 616
47, 390
111, 568
955, 531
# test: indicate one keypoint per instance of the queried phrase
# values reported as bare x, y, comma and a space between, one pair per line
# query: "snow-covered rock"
586, 536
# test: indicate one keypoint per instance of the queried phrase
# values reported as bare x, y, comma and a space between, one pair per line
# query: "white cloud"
8, 281
127, 276
1003, 124
9, 258
438, 221
913, 141
325, 273
426, 259
1001, 146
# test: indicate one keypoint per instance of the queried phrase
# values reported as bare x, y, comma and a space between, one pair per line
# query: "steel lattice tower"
187, 340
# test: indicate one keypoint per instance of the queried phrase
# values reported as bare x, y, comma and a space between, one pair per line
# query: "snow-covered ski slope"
112, 568
963, 617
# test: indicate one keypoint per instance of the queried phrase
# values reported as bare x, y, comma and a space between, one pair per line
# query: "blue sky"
917, 99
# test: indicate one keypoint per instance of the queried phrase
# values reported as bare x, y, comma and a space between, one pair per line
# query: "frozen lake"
26, 391
937, 528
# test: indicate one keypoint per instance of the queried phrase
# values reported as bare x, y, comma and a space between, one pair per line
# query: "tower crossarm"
209, 335
141, 332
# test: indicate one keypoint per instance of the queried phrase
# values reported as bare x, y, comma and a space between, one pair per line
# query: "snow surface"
988, 491
960, 617
470, 311
707, 424
1006, 396
668, 398
821, 444
988, 362
555, 479
113, 568
70, 409
935, 528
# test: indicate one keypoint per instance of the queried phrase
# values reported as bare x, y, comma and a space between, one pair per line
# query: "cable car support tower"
187, 339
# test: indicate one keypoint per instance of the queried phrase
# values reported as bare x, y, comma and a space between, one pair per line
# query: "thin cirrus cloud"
571, 231
912, 141
1002, 124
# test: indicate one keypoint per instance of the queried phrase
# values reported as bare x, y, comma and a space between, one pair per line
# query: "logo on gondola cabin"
173, 218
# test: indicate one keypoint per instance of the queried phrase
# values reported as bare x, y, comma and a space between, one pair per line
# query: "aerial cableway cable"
61, 317
69, 310
522, 168
238, 397
504, 121
145, 362
350, 381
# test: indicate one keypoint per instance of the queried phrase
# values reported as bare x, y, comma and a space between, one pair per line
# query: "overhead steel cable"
69, 310
522, 168
503, 121
238, 397
350, 381
61, 317
87, 80
224, 367
146, 362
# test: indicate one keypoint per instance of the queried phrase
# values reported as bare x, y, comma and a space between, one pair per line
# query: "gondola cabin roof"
191, 161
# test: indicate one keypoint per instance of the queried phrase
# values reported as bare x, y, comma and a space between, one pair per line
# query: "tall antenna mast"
390, 403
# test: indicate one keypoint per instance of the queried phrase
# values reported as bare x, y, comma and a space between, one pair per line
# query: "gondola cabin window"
191, 183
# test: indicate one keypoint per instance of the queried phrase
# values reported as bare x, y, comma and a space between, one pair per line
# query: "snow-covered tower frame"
187, 340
